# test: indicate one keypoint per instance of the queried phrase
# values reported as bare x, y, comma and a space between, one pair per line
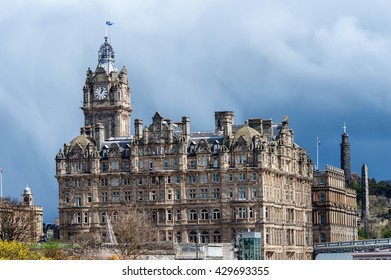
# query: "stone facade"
334, 207
206, 185
26, 217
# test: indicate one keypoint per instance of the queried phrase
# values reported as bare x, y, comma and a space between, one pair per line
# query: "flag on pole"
1, 170
109, 23
318, 142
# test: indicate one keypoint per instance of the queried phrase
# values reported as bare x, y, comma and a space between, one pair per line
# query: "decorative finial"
344, 128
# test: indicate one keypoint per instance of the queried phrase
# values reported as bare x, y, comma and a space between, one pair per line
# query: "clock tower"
106, 101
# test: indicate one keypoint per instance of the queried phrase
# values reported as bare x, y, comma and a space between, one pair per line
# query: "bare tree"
136, 233
16, 221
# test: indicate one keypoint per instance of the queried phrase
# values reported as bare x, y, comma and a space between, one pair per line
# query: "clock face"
101, 93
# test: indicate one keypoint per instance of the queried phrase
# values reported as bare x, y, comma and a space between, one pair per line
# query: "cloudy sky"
322, 63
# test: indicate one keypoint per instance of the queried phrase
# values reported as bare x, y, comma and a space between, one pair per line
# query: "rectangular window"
242, 177
128, 196
165, 164
104, 197
191, 179
140, 180
192, 164
88, 182
89, 197
216, 193
215, 178
115, 182
169, 194
178, 179
139, 195
78, 199
77, 183
204, 194
242, 212
114, 165
230, 177
251, 212
104, 167
103, 182
168, 215
230, 193
242, 193
203, 178
177, 214
177, 194
254, 176
85, 217
127, 181
168, 179
150, 165
153, 195
115, 197
192, 193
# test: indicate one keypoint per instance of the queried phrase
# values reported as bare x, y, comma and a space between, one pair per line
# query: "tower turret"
345, 156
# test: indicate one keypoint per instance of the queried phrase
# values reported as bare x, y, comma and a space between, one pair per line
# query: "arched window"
193, 236
103, 218
204, 214
216, 236
216, 214
205, 237
192, 215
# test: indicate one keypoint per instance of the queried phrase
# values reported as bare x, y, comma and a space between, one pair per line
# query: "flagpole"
1, 182
317, 153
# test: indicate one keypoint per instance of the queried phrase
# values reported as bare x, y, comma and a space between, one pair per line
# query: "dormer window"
105, 151
192, 148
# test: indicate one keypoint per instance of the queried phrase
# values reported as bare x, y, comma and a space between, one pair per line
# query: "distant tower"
27, 196
345, 155
365, 194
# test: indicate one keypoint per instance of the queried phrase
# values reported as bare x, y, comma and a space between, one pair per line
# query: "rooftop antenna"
344, 128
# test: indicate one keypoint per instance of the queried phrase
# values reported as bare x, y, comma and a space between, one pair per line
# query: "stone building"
334, 207
206, 185
23, 220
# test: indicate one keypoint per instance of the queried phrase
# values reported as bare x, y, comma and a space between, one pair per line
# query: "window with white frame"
115, 182
242, 176
115, 197
114, 165
191, 179
242, 193
177, 194
216, 193
104, 196
216, 214
192, 193
153, 195
78, 199
128, 196
204, 193
203, 178
230, 193
192, 215
215, 177
204, 214
127, 181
